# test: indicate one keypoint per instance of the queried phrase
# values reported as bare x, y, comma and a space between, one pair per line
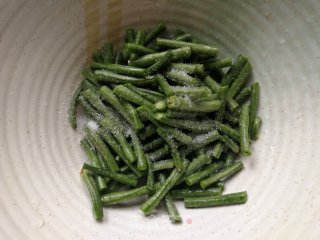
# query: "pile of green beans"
167, 119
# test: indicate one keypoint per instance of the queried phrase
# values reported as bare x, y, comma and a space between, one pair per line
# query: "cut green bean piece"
222, 96
138, 49
229, 131
150, 175
190, 125
162, 165
212, 201
110, 77
155, 143
142, 164
215, 150
229, 143
194, 93
160, 106
148, 113
170, 206
154, 33
164, 85
148, 206
103, 149
189, 68
119, 177
231, 118
107, 53
148, 132
254, 103
243, 95
178, 135
256, 128
195, 48
161, 63
149, 59
186, 193
72, 111
223, 174
185, 104
89, 110
130, 96
197, 163
149, 95
185, 37
244, 130
207, 171
234, 70
217, 64
181, 114
232, 104
230, 158
94, 194
133, 115
119, 69
159, 153
123, 196
87, 74
182, 78
212, 84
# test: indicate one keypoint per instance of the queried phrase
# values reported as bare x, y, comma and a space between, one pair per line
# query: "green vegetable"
123, 196
244, 130
187, 193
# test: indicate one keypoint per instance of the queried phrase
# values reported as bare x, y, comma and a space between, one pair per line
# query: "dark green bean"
150, 175
244, 130
212, 201
182, 78
243, 95
155, 143
150, 95
154, 33
161, 63
163, 164
189, 68
130, 96
185, 37
229, 131
229, 143
207, 171
222, 96
212, 84
195, 48
256, 128
186, 193
148, 132
94, 194
110, 77
133, 115
185, 104
164, 85
254, 103
197, 163
107, 53
215, 150
88, 109
178, 135
159, 153
142, 164
234, 70
72, 111
181, 114
147, 113
138, 49
123, 196
231, 118
223, 174
119, 69
217, 64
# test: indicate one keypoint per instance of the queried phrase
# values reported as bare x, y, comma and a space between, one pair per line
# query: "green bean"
88, 75
101, 182
195, 48
170, 206
72, 111
212, 201
230, 158
110, 77
88, 109
94, 194
159, 153
119, 69
116, 187
240, 80
160, 106
212, 84
223, 174
147, 113
154, 33
148, 206
194, 93
200, 141
229, 131
133, 115
217, 64
107, 94
119, 59
163, 164
229, 143
244, 130
164, 85
184, 104
182, 78
254, 103
142, 164
129, 35
243, 95
123, 196
149, 59
190, 125
124, 169
139, 40
197, 163
222, 96
256, 128
107, 53
181, 114
185, 37
138, 49
215, 150
119, 177
103, 149
173, 148
187, 193
117, 148
207, 171
150, 95
232, 104
178, 135
161, 63
150, 175
130, 96
157, 142
234, 70
231, 118
148, 132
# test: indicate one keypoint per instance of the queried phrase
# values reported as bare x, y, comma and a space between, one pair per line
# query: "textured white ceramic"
43, 46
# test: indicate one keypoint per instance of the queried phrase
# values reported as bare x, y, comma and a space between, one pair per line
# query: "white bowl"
45, 44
